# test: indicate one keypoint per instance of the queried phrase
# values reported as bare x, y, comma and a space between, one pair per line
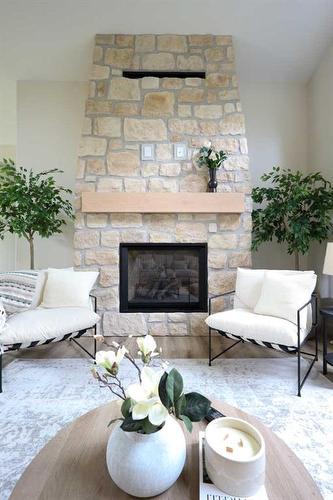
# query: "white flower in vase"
157, 394
147, 402
110, 360
147, 346
149, 444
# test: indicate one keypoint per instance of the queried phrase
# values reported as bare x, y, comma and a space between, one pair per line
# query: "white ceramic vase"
145, 465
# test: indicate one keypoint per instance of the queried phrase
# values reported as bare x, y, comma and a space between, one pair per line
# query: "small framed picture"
148, 152
180, 151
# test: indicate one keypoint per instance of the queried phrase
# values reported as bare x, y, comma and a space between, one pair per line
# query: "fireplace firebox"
163, 277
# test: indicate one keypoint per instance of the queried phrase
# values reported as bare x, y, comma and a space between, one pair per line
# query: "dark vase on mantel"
212, 183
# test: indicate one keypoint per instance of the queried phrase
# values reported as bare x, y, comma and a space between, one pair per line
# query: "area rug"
42, 396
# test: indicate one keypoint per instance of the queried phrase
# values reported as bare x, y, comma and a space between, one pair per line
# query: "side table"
327, 314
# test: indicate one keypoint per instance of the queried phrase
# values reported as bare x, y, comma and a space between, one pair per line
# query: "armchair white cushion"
244, 323
69, 308
43, 324
263, 310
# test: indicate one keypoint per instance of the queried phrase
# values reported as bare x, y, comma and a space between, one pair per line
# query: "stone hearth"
121, 114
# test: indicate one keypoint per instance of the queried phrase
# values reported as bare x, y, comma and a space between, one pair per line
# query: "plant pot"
145, 465
212, 183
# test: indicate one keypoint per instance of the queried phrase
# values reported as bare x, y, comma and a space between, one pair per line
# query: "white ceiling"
275, 40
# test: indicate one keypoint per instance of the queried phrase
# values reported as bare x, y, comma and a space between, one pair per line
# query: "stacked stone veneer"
121, 114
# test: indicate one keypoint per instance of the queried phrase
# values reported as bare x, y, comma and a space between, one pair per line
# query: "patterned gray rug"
41, 396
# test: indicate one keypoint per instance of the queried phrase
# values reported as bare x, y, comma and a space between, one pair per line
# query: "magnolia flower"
110, 360
147, 346
146, 399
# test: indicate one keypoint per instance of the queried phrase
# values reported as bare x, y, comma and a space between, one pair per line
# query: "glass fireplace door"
163, 277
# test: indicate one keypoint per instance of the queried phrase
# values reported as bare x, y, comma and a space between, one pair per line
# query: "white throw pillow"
41, 284
66, 288
283, 294
248, 287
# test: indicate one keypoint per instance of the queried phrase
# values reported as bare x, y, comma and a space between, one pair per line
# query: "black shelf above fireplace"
163, 277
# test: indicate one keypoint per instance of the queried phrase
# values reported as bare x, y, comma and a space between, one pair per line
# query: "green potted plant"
213, 160
294, 209
31, 203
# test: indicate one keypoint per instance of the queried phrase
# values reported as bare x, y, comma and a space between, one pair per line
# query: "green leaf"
180, 405
174, 385
187, 422
143, 426
197, 406
205, 158
126, 407
162, 391
130, 425
148, 427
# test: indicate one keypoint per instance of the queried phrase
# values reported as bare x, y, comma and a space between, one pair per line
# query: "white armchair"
44, 307
274, 309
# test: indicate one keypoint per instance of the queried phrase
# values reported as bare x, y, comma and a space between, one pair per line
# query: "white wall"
49, 120
276, 129
8, 128
320, 94
7, 114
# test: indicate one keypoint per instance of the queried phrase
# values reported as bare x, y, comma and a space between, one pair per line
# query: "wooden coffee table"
72, 465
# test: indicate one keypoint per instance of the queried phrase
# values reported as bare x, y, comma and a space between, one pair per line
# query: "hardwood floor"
172, 347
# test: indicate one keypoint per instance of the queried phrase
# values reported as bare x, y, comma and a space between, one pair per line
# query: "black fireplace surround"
163, 277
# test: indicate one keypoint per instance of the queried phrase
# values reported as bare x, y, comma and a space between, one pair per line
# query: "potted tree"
31, 203
294, 209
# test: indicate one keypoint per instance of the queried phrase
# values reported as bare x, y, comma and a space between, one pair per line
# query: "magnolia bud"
114, 369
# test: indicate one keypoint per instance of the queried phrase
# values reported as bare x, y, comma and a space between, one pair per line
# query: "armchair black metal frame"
68, 336
287, 349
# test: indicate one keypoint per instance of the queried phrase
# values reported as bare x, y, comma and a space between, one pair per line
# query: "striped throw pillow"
17, 290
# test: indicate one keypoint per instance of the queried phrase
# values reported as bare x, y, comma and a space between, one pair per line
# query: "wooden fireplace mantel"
184, 202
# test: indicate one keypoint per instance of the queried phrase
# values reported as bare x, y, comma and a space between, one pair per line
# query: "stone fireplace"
124, 112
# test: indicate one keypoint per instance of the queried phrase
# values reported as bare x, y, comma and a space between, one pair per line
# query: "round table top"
72, 465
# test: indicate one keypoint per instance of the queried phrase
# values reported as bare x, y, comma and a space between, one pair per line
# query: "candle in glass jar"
235, 444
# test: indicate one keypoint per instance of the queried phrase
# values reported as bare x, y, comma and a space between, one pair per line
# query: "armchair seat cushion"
244, 323
43, 324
